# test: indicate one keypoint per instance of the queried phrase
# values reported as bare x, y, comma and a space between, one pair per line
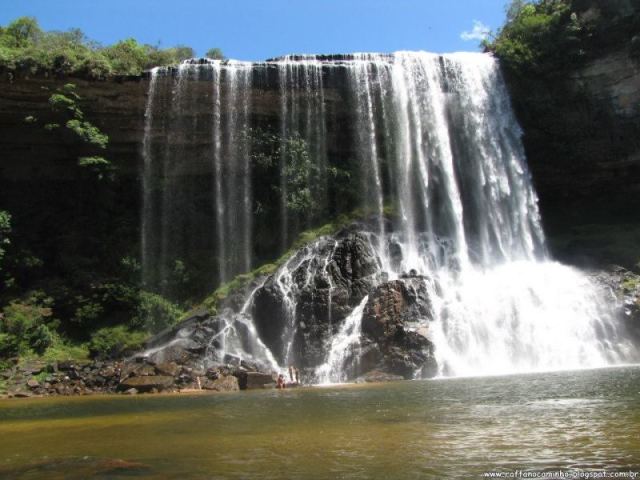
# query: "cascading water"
431, 138
343, 349
197, 174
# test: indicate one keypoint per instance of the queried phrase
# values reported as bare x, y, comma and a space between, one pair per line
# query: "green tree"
537, 36
215, 54
21, 33
182, 52
116, 341
26, 324
300, 173
24, 46
127, 57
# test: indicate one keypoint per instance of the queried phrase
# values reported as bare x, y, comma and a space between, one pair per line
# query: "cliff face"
581, 135
582, 125
70, 230
29, 151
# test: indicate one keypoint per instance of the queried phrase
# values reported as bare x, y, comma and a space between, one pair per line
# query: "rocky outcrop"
393, 327
256, 380
136, 375
298, 310
624, 285
147, 383
223, 383
312, 295
61, 378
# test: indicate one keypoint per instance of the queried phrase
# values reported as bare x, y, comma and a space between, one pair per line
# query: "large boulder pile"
61, 378
136, 375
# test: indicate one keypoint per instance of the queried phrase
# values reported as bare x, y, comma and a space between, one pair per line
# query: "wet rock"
255, 380
131, 391
271, 314
224, 383
147, 383
324, 281
185, 329
66, 365
394, 324
394, 304
625, 286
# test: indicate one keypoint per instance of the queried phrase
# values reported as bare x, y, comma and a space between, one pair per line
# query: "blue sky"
259, 29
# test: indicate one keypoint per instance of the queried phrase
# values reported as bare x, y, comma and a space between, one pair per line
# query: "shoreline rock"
132, 376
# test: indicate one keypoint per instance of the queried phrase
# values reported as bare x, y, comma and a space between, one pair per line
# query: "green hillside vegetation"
25, 47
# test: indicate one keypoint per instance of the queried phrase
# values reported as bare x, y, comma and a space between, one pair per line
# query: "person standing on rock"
291, 370
297, 373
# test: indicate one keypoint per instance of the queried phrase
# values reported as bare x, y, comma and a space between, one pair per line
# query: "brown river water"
450, 428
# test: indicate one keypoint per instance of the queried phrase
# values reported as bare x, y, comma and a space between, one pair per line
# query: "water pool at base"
452, 428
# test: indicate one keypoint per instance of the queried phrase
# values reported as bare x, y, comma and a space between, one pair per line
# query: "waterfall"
197, 172
436, 164
344, 348
302, 113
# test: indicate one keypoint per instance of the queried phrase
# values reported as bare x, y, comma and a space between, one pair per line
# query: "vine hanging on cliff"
64, 104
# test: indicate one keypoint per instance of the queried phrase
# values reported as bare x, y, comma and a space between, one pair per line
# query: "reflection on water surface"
455, 428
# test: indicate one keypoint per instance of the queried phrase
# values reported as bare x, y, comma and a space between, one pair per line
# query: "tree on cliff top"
21, 32
538, 35
215, 54
25, 46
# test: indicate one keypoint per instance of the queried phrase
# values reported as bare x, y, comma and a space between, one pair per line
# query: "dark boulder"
394, 329
224, 383
254, 380
147, 383
625, 286
312, 294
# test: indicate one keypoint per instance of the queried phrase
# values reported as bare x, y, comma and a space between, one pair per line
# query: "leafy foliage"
64, 103
25, 46
215, 54
539, 36
27, 326
126, 57
115, 342
301, 171
156, 313
62, 349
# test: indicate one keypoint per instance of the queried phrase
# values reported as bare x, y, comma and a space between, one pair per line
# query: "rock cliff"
581, 124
